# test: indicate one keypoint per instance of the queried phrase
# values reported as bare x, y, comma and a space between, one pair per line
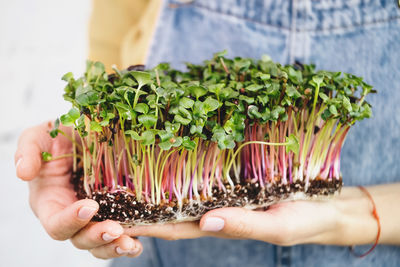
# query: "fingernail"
108, 237
213, 224
134, 251
86, 212
120, 251
18, 162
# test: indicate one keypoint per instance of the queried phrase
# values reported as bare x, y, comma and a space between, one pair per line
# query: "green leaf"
165, 135
186, 102
274, 90
166, 145
147, 137
333, 110
88, 98
68, 77
347, 104
197, 91
241, 64
221, 54
196, 129
216, 88
295, 76
293, 144
181, 120
266, 58
46, 156
172, 127
129, 96
185, 113
264, 76
254, 87
74, 114
95, 126
176, 141
134, 135
107, 119
54, 131
226, 142
366, 112
142, 77
318, 80
291, 91
278, 110
210, 104
247, 99
269, 67
253, 112
263, 99
326, 114
98, 69
141, 108
66, 120
125, 111
323, 96
188, 144
147, 120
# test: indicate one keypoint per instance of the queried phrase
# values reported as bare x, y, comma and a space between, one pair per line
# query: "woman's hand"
53, 199
342, 220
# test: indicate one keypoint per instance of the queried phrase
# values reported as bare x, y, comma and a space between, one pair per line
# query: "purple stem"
290, 168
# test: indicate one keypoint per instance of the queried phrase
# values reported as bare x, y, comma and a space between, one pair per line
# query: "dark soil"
124, 207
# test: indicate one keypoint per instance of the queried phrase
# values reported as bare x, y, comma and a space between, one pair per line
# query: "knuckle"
78, 244
98, 255
54, 231
172, 233
56, 235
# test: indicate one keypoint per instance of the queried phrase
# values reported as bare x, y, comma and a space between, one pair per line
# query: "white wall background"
40, 40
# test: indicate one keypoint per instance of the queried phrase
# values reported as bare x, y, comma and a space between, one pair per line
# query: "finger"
242, 223
122, 246
97, 234
31, 144
170, 231
62, 222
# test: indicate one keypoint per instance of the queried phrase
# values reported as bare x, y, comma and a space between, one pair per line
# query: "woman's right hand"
53, 199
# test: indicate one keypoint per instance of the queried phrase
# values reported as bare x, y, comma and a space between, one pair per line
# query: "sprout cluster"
164, 134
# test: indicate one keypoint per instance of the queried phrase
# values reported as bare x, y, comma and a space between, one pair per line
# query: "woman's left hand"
335, 221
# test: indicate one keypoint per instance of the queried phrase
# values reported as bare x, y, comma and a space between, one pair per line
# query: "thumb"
239, 223
62, 222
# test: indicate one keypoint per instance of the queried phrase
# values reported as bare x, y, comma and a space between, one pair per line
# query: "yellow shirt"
120, 31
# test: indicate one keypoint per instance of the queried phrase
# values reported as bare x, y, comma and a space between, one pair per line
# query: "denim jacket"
359, 36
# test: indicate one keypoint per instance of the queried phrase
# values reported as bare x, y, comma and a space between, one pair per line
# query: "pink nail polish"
213, 224
108, 237
120, 251
18, 163
86, 213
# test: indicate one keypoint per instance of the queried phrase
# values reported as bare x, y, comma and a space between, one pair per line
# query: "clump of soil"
122, 205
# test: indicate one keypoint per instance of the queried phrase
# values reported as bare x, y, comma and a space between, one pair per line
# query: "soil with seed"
122, 205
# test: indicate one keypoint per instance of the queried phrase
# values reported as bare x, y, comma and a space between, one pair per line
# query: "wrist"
356, 224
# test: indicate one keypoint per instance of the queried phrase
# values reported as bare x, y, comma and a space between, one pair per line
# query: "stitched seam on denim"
235, 16
350, 27
288, 29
